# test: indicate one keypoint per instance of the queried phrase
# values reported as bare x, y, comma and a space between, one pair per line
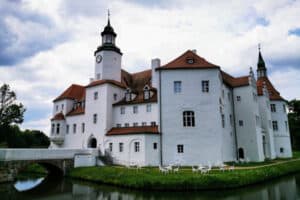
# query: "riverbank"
185, 179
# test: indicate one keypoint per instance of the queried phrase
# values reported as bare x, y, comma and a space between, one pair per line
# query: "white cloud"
224, 33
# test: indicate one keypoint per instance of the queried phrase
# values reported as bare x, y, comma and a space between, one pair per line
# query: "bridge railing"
43, 154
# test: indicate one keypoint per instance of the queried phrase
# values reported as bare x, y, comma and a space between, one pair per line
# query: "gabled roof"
58, 116
235, 81
74, 92
273, 93
77, 111
182, 62
100, 82
133, 130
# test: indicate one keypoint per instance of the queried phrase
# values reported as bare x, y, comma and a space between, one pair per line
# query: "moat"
287, 187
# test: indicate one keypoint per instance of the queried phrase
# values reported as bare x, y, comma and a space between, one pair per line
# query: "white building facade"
185, 112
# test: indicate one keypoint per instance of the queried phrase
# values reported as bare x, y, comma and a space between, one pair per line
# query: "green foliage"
294, 123
152, 179
34, 169
16, 138
10, 111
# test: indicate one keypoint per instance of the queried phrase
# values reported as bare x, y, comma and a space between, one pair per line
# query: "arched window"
241, 153
128, 94
146, 92
188, 119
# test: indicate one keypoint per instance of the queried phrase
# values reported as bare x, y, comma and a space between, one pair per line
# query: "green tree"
294, 122
10, 110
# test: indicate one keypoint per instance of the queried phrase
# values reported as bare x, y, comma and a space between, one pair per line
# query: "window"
67, 128
135, 109
223, 93
95, 118
115, 97
74, 128
52, 128
136, 147
62, 106
188, 119
146, 94
180, 148
118, 125
284, 108
148, 107
121, 147
98, 76
273, 107
126, 125
122, 110
275, 125
57, 128
56, 108
223, 120
286, 126
144, 123
95, 95
231, 120
190, 60
257, 120
177, 87
228, 94
82, 127
153, 123
135, 124
110, 146
241, 123
205, 86
281, 150
238, 98
128, 95
154, 145
254, 97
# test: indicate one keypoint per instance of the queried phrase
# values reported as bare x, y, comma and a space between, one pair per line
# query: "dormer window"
146, 92
190, 60
128, 94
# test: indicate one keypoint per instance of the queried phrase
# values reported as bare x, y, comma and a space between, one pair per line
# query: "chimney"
155, 63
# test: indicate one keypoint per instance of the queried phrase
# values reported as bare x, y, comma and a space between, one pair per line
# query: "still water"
286, 188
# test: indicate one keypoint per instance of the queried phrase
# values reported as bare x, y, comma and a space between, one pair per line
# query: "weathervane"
259, 47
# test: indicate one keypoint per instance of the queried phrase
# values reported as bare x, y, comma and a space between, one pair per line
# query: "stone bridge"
56, 161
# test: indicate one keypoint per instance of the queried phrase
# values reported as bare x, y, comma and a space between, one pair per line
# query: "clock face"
99, 59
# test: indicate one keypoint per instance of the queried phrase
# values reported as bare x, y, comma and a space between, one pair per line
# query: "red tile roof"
58, 116
273, 93
74, 92
100, 82
181, 62
235, 81
133, 130
78, 111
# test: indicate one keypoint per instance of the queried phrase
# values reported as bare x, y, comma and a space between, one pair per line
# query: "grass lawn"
185, 179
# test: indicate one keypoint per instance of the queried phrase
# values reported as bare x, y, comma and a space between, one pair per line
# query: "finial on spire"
259, 47
108, 17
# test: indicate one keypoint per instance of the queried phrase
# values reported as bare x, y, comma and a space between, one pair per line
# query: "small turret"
261, 66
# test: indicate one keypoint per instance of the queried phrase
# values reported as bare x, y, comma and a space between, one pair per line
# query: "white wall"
130, 117
282, 135
202, 143
249, 135
146, 156
110, 66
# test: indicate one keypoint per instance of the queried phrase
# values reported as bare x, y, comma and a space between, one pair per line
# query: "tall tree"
294, 122
10, 111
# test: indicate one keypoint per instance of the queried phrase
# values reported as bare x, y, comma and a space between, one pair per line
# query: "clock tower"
108, 56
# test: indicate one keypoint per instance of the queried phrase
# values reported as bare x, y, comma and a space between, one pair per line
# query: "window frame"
180, 148
177, 87
136, 147
188, 117
205, 86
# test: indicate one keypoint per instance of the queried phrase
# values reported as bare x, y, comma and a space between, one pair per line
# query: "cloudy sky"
48, 45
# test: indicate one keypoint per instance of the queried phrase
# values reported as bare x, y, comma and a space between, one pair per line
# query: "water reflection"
27, 184
64, 189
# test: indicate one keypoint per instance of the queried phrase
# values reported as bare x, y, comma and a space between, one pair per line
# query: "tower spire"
261, 66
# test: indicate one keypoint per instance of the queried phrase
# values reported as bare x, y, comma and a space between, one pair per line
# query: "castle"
188, 111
